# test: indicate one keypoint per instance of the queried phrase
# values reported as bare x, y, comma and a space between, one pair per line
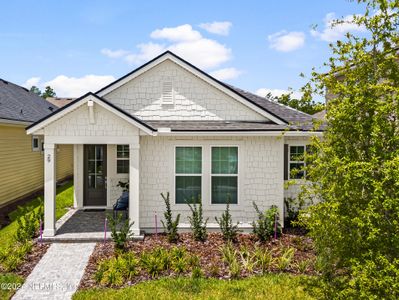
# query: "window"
167, 92
122, 159
224, 175
297, 162
35, 143
188, 168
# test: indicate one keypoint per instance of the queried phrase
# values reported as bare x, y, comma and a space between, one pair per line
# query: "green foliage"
285, 259
48, 92
9, 282
292, 208
171, 226
228, 253
12, 257
264, 259
28, 223
303, 265
263, 227
197, 273
229, 230
306, 105
120, 230
248, 259
115, 271
197, 223
34, 89
356, 167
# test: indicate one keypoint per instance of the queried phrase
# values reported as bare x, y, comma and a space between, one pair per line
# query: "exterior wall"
21, 170
260, 177
194, 98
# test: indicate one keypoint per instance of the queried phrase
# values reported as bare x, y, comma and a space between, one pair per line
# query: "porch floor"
79, 225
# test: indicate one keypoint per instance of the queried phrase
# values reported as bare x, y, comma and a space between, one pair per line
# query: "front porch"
80, 225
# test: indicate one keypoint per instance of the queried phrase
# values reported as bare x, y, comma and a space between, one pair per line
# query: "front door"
95, 175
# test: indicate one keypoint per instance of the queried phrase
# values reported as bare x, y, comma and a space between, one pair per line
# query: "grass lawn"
272, 286
8, 283
64, 199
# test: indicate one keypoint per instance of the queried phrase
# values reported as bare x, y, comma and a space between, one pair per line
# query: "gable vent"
167, 92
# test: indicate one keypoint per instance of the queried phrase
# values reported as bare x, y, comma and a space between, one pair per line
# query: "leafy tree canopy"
48, 92
34, 89
306, 105
355, 170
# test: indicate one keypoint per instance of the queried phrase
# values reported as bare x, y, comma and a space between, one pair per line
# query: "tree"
48, 92
355, 168
34, 89
306, 105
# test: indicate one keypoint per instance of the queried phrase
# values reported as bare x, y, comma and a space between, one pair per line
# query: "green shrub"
214, 269
248, 259
228, 253
179, 264
229, 230
264, 226
264, 259
197, 223
197, 273
193, 261
171, 226
285, 259
120, 231
303, 265
12, 257
29, 222
152, 263
235, 268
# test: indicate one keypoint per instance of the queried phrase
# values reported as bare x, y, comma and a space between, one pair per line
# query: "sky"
80, 46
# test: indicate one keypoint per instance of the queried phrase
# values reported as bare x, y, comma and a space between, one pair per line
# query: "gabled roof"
196, 71
81, 100
19, 104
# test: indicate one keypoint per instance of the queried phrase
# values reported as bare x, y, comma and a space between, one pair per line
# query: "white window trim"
231, 175
296, 161
120, 158
175, 174
39, 144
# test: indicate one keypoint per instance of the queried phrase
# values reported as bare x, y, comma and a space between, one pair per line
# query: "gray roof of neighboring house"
18, 104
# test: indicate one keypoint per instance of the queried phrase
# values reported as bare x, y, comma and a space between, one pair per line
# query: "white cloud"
65, 86
114, 53
226, 73
286, 41
34, 81
278, 92
181, 33
185, 42
221, 28
332, 33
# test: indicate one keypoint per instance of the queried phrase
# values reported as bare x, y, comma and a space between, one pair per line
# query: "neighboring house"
59, 101
21, 155
169, 127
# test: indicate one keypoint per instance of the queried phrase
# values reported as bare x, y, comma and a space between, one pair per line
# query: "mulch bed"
32, 258
209, 253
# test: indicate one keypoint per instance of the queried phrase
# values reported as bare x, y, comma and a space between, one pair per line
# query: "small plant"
229, 230
12, 257
303, 265
120, 231
265, 226
171, 225
228, 253
285, 259
132, 265
247, 259
197, 223
197, 273
153, 264
179, 264
292, 208
264, 259
235, 268
28, 223
214, 270
193, 261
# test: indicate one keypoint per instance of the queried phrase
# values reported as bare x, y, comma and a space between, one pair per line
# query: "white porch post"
134, 187
49, 189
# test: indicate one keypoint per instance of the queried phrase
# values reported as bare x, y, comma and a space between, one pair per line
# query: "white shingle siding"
194, 99
260, 176
77, 123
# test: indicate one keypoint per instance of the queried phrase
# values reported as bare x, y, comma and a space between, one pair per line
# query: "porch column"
134, 187
49, 189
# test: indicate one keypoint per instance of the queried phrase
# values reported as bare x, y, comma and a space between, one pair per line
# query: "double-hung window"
224, 175
297, 162
122, 159
188, 177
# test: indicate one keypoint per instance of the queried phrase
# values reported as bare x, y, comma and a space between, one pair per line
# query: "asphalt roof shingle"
18, 104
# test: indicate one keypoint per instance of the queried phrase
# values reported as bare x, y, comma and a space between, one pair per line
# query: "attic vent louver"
167, 92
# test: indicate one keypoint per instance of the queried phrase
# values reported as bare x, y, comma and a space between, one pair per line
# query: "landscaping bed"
212, 262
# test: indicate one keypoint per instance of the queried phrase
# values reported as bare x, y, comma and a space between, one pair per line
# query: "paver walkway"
58, 273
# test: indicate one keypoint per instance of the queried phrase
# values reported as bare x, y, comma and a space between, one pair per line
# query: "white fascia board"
241, 133
192, 70
14, 122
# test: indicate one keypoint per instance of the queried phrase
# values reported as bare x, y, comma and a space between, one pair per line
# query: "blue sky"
77, 46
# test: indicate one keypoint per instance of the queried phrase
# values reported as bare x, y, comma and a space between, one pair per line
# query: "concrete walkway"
58, 273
